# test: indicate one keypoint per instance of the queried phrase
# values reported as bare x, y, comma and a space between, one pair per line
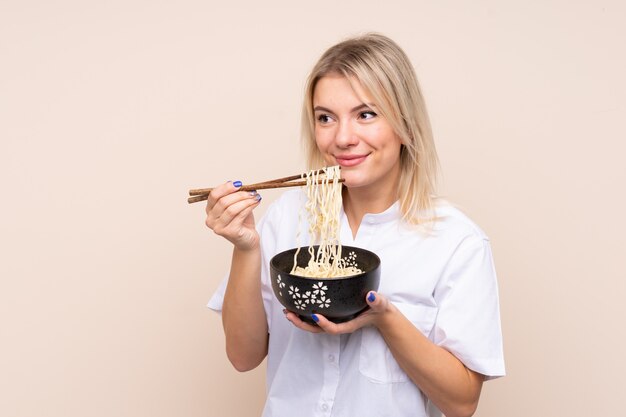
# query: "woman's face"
349, 132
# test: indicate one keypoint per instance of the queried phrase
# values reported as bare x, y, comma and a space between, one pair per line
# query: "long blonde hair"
385, 72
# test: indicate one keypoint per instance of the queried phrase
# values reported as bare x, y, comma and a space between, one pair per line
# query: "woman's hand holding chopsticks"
229, 214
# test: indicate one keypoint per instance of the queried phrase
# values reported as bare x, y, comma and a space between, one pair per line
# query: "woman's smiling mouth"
350, 160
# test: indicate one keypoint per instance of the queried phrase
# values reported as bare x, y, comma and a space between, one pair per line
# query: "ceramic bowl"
338, 299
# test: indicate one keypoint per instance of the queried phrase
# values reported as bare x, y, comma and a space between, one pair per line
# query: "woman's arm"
451, 386
243, 314
229, 214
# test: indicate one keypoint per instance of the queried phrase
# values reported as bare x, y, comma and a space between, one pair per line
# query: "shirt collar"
389, 215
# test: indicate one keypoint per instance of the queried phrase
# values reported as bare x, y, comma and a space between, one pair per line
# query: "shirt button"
324, 407
331, 358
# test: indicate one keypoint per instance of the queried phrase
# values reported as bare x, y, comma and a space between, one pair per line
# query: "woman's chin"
353, 181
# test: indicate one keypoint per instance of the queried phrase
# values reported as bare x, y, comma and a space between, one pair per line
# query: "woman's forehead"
339, 88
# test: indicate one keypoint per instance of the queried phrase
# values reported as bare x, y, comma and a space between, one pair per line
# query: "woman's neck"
357, 202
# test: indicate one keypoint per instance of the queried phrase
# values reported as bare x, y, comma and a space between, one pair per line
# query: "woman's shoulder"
289, 202
450, 219
281, 222
290, 199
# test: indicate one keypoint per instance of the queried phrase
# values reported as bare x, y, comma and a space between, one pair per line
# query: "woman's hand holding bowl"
378, 307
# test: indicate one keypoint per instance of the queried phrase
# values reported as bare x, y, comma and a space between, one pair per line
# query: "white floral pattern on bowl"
315, 296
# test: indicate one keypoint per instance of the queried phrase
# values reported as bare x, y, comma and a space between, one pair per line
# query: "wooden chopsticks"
201, 194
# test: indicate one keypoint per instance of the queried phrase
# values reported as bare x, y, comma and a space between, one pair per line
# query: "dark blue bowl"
338, 299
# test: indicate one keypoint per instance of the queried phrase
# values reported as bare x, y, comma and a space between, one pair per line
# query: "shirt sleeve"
217, 300
468, 321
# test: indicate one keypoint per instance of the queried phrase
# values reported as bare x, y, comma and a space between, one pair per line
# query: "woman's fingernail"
371, 298
314, 317
258, 197
252, 193
237, 184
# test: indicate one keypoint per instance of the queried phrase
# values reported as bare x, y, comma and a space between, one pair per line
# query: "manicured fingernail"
252, 193
258, 197
371, 298
314, 317
237, 184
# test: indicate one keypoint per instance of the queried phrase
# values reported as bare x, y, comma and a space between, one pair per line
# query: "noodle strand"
323, 208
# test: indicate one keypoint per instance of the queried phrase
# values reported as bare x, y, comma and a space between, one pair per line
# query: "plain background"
111, 111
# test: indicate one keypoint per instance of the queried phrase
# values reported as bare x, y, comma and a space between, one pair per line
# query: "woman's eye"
323, 118
366, 115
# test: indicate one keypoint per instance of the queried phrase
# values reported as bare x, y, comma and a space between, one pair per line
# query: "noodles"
323, 209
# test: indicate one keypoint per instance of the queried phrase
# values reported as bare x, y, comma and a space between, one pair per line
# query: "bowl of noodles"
307, 282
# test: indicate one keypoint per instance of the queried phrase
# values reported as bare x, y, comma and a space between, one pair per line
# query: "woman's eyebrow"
354, 109
362, 107
321, 108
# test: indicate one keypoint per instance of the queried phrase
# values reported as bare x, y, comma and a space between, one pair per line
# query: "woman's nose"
346, 135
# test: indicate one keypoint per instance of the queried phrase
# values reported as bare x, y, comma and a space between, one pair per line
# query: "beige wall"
110, 111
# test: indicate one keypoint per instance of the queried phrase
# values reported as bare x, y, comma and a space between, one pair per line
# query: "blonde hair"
385, 72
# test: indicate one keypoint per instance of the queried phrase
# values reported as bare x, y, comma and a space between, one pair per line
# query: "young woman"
432, 334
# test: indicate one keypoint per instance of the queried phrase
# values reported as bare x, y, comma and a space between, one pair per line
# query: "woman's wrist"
249, 246
386, 316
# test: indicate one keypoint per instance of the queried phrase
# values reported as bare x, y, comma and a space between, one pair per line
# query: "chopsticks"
201, 194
